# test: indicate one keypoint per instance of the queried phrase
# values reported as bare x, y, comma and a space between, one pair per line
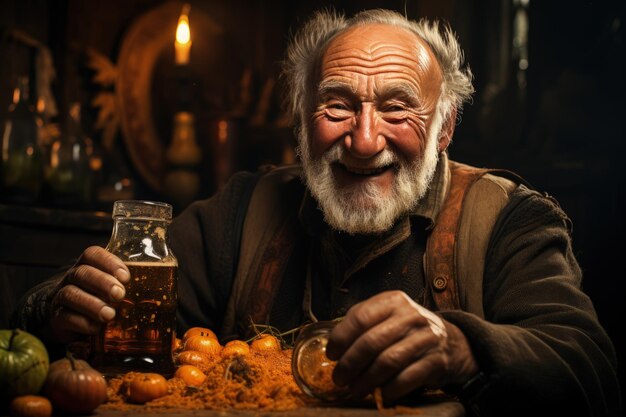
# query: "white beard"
368, 209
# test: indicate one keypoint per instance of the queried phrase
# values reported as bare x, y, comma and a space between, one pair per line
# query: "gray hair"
304, 54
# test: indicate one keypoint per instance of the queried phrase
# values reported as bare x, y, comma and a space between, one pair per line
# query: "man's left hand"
390, 341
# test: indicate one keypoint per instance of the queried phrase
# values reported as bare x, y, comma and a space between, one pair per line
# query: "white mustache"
337, 154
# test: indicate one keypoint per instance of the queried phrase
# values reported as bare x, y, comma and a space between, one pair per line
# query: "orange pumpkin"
199, 331
265, 343
75, 387
30, 406
147, 387
235, 347
193, 357
198, 359
192, 375
204, 344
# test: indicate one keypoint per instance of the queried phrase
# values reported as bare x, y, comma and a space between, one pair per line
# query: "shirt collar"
428, 207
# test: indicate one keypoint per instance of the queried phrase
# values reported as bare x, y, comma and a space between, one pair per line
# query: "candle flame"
183, 34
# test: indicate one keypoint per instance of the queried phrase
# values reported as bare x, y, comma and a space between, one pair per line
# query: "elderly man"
448, 276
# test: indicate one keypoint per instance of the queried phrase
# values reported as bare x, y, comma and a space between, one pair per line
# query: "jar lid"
148, 210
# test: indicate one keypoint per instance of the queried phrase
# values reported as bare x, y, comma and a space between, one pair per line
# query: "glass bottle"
311, 368
69, 175
22, 164
141, 336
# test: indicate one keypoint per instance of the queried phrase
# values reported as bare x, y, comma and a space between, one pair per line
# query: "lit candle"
183, 37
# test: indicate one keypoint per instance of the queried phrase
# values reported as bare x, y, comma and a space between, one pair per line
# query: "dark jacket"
539, 346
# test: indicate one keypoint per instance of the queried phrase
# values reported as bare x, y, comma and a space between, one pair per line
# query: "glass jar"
21, 175
311, 368
141, 336
68, 174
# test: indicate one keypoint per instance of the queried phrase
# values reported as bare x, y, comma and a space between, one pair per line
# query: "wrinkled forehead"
373, 48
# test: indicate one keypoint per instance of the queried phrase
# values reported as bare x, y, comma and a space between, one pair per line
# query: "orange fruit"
192, 375
201, 331
265, 343
235, 347
204, 344
30, 406
200, 360
147, 387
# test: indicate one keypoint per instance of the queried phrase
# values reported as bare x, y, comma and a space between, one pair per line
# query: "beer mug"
141, 336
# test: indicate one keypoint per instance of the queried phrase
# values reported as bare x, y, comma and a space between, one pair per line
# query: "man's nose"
365, 139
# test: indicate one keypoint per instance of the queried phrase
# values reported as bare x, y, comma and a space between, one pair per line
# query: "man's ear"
447, 130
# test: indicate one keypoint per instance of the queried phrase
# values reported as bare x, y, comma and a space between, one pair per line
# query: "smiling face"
376, 131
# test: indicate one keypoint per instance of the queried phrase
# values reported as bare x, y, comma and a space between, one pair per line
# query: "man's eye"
338, 110
394, 108
337, 106
394, 113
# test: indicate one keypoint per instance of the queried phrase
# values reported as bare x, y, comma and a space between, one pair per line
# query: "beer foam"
152, 264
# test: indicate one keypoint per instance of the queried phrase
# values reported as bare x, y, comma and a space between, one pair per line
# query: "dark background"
563, 130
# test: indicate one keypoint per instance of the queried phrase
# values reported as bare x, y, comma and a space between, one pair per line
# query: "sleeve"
32, 311
540, 348
205, 240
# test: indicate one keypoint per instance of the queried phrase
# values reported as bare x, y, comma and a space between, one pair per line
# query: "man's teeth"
363, 171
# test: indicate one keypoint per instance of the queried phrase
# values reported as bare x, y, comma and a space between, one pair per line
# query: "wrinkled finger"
426, 372
73, 298
96, 282
358, 320
393, 361
105, 261
370, 345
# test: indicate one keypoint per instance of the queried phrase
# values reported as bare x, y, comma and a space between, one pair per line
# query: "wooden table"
432, 409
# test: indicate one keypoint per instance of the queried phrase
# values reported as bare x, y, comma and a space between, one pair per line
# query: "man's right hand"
83, 300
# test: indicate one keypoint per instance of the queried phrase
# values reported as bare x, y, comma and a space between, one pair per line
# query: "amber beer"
142, 334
